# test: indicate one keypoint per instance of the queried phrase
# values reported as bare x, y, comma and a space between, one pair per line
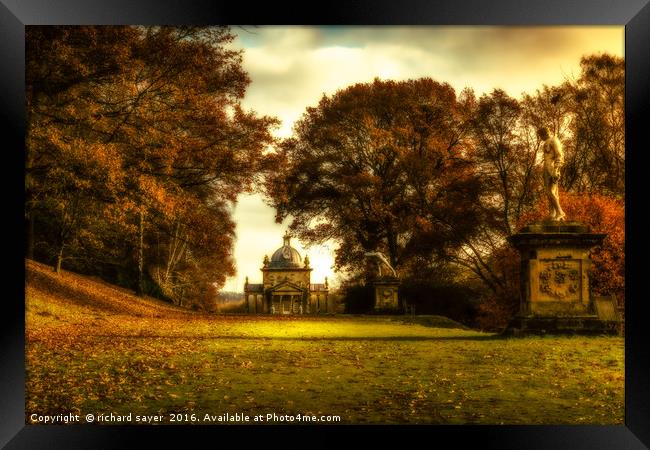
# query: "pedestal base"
555, 266
385, 293
555, 294
573, 325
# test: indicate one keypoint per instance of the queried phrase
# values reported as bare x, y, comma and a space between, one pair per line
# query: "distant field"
94, 348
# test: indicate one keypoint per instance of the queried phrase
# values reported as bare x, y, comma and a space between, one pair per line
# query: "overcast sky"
292, 67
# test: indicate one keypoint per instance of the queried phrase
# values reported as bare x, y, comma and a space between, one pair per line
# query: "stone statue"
380, 258
553, 161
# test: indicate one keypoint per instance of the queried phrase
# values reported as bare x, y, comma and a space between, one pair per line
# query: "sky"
292, 67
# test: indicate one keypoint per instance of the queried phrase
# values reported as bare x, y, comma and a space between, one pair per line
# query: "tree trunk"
392, 247
59, 260
140, 286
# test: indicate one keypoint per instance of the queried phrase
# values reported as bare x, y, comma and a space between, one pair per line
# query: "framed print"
379, 217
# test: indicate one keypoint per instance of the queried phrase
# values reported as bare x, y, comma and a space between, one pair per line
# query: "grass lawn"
94, 348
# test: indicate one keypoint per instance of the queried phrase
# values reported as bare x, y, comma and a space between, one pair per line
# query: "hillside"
88, 294
70, 303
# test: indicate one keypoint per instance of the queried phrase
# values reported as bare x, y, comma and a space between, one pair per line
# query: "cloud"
292, 67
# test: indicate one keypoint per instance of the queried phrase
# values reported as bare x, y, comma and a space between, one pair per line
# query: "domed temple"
286, 286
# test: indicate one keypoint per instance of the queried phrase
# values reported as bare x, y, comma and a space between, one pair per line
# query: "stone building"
286, 286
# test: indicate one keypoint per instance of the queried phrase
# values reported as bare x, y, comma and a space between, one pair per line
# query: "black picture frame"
634, 14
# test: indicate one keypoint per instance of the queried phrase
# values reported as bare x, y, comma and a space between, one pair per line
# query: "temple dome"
286, 256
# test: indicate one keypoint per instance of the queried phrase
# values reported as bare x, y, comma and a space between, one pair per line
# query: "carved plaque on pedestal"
560, 280
386, 294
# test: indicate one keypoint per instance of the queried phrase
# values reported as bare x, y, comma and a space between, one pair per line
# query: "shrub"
450, 300
358, 299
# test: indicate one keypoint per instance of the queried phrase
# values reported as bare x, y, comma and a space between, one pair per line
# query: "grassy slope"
92, 347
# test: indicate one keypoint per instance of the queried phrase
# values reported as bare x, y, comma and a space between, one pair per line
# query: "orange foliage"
137, 147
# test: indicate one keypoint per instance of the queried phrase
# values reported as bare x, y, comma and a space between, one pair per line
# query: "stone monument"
555, 296
554, 287
385, 287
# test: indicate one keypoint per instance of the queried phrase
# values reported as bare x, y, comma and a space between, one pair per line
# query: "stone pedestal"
555, 294
386, 297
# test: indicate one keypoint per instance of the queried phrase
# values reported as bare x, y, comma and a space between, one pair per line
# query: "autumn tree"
61, 64
183, 130
596, 163
148, 122
506, 155
379, 166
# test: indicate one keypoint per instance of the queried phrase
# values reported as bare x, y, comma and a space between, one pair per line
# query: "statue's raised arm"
381, 259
